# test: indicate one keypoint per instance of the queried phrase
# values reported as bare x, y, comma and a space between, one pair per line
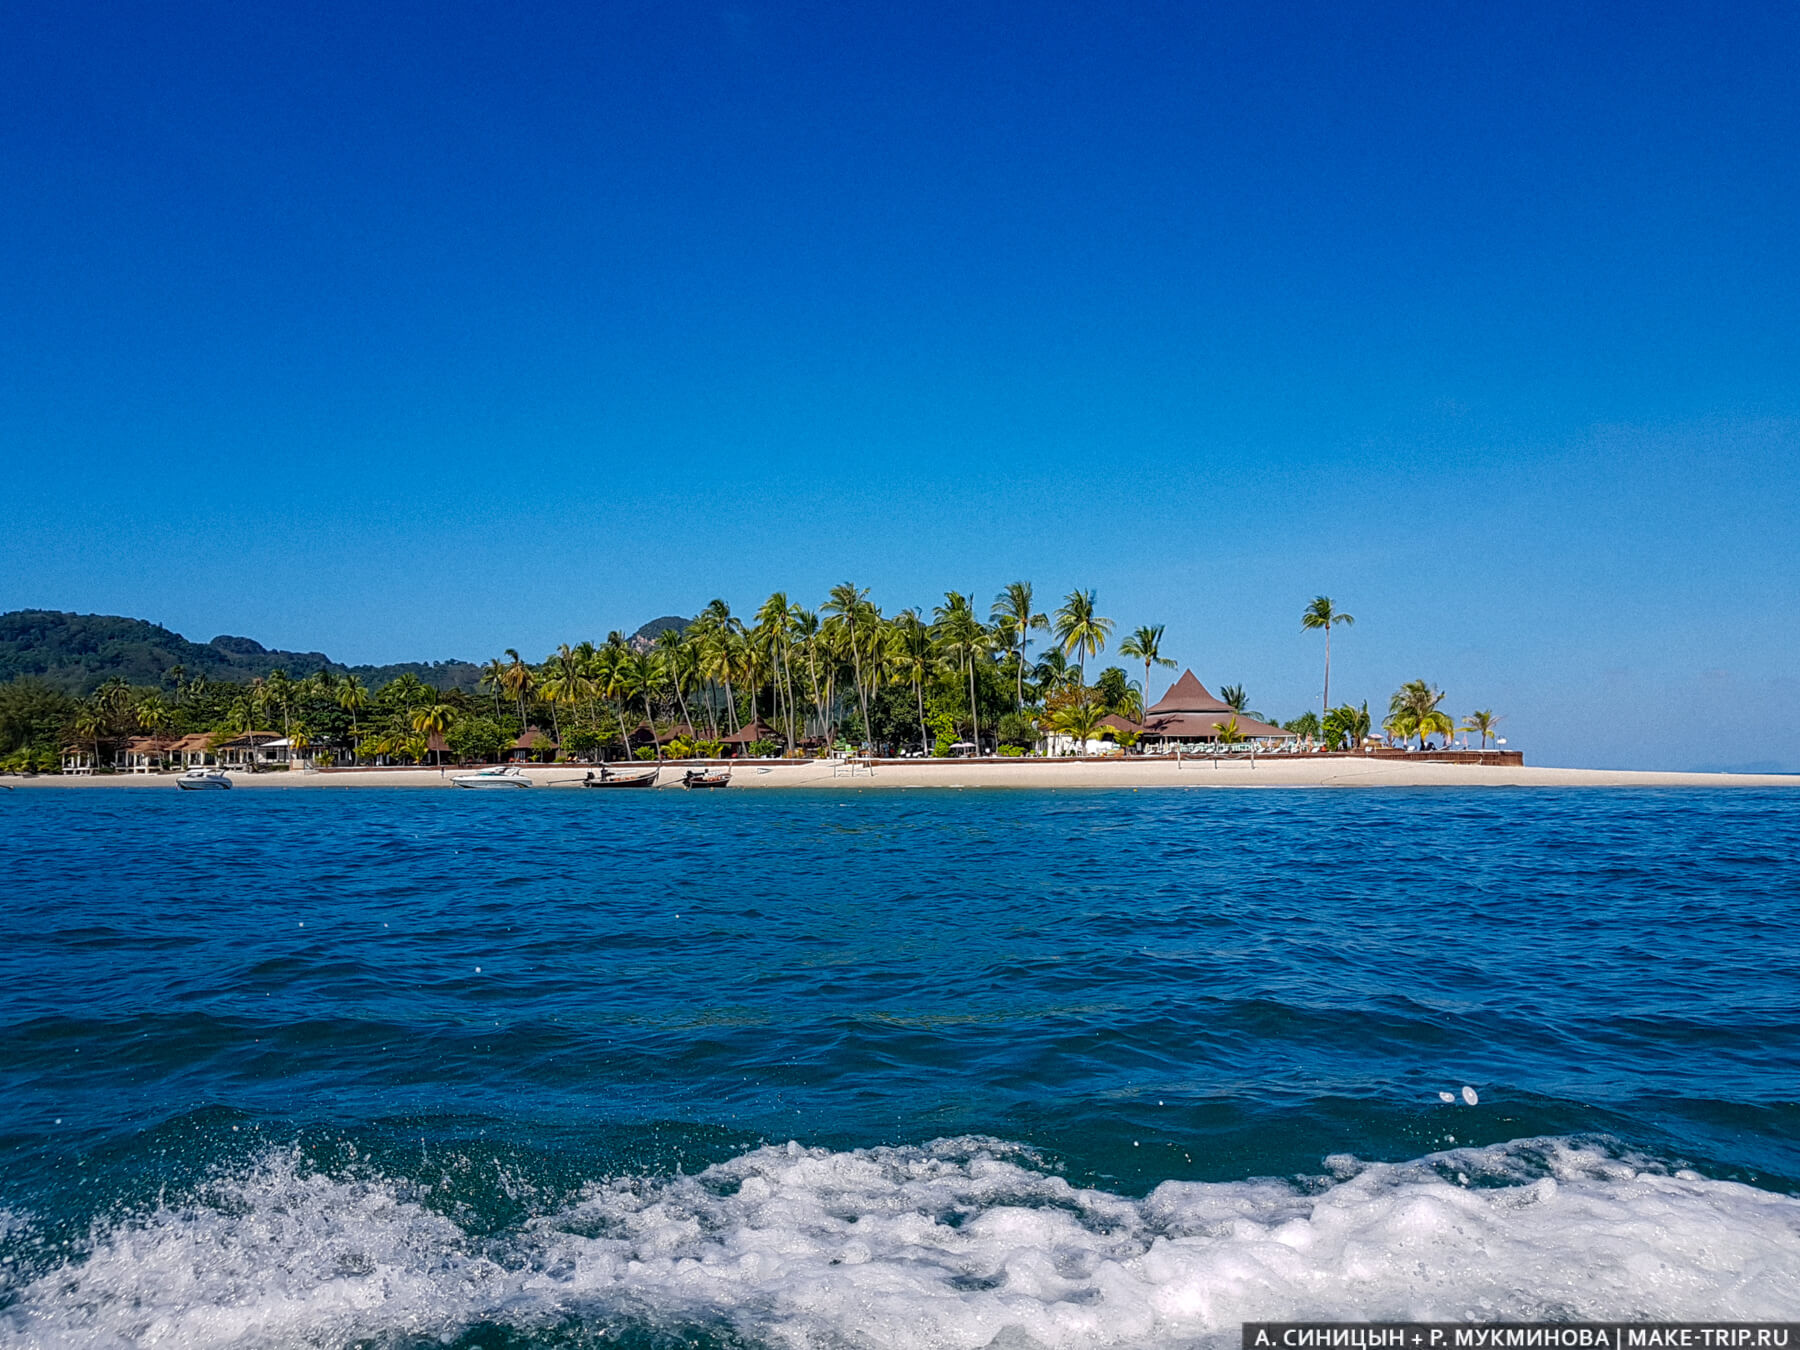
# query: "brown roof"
148, 745
1205, 726
251, 738
668, 733
1117, 723
197, 740
1188, 695
437, 743
755, 731
532, 739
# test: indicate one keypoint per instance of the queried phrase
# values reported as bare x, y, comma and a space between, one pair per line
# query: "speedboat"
200, 780
500, 776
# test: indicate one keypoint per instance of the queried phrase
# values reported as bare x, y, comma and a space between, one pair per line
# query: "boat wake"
960, 1243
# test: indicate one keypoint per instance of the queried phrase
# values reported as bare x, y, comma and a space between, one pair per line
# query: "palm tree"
1234, 697
771, 634
300, 741
1413, 711
433, 720
493, 677
352, 697
963, 638
1483, 723
280, 691
1229, 733
1321, 614
90, 725
1080, 630
1345, 727
909, 649
1051, 671
851, 618
1079, 720
519, 682
565, 682
1015, 619
1145, 644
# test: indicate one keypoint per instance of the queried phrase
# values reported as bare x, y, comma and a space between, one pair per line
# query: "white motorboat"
201, 780
500, 776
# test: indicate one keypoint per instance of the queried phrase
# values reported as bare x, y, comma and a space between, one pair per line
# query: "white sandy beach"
1336, 772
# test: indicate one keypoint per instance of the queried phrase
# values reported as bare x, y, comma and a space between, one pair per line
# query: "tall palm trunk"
974, 714
650, 720
924, 736
1327, 669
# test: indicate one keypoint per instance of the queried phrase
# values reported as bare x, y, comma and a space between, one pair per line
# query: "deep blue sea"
880, 1068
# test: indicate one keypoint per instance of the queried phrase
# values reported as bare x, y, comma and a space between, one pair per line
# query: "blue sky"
391, 331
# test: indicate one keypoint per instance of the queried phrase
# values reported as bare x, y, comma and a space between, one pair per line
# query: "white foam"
963, 1243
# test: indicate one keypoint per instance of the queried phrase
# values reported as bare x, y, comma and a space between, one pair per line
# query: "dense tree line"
786, 679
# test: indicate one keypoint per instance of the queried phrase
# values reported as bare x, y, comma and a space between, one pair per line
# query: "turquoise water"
890, 1068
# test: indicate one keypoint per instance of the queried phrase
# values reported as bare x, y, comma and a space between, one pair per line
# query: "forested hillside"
76, 653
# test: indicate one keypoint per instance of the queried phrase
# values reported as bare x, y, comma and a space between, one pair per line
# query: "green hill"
78, 652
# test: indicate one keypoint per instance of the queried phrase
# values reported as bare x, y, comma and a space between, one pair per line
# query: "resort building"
77, 759
533, 744
193, 752
253, 750
145, 754
1191, 716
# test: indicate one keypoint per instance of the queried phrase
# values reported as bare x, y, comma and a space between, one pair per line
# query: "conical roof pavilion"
1190, 712
1188, 695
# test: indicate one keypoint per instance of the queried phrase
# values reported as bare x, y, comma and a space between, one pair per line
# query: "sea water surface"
883, 1068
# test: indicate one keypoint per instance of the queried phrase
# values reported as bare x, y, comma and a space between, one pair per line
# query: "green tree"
1345, 728
352, 697
1080, 628
477, 738
1413, 711
519, 681
1015, 618
1306, 725
1145, 644
1323, 615
1483, 723
1229, 732
914, 660
963, 638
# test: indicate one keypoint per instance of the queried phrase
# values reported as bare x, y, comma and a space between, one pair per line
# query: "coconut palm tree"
772, 634
1052, 672
565, 682
1080, 629
1483, 724
1229, 732
963, 638
279, 690
493, 678
1344, 728
352, 697
519, 682
856, 623
1079, 719
913, 660
1145, 644
1322, 614
1413, 711
1015, 619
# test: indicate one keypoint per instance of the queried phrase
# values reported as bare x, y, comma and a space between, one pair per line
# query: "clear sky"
407, 331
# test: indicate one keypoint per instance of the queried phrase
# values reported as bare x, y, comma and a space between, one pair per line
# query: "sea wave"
963, 1242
